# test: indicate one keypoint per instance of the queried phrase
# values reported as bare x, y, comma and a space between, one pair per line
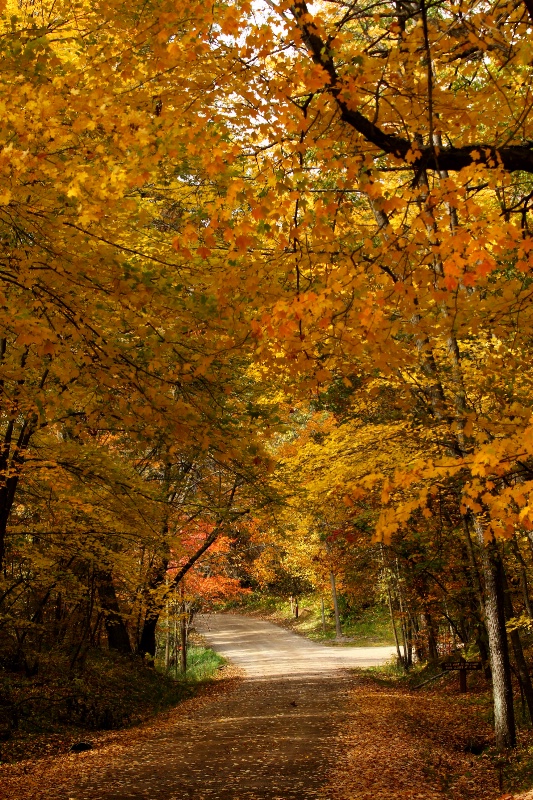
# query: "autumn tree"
126, 425
384, 215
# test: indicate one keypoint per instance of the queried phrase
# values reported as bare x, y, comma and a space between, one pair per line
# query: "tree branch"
510, 157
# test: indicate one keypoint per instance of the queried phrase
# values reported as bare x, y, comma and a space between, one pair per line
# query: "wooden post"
338, 629
183, 629
296, 609
462, 666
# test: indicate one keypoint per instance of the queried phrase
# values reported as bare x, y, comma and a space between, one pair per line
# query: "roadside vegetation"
49, 712
447, 735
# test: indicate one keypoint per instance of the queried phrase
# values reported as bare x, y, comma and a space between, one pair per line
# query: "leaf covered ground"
407, 745
46, 775
351, 738
46, 713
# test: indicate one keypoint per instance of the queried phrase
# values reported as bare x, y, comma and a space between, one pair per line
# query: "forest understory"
47, 714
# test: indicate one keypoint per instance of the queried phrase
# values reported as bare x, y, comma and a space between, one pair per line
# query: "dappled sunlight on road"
269, 740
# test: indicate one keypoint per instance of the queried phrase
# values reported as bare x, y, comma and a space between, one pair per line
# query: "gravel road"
264, 650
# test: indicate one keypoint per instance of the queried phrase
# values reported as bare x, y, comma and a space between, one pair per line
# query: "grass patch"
202, 664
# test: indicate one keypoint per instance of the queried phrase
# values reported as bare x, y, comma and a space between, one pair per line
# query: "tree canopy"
265, 266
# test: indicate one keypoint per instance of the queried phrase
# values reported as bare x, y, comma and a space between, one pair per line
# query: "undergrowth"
108, 691
202, 664
427, 681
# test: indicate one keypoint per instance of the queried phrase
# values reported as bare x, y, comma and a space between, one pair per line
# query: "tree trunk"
504, 721
393, 623
167, 640
481, 637
523, 577
473, 581
530, 540
183, 630
420, 652
524, 677
12, 457
391, 609
338, 629
176, 654
403, 620
451, 626
147, 643
117, 632
409, 631
432, 639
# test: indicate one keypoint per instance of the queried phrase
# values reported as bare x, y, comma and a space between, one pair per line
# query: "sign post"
462, 681
462, 667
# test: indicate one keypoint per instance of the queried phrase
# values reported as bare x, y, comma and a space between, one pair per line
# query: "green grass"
255, 602
202, 664
372, 626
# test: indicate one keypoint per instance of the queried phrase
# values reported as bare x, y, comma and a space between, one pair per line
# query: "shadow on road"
269, 739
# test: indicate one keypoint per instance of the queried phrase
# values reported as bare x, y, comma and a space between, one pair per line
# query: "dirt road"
273, 738
265, 650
